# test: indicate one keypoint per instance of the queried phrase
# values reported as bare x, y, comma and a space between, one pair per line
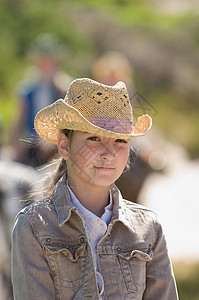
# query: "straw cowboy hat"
92, 107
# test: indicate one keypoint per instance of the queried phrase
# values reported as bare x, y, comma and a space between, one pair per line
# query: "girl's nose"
108, 150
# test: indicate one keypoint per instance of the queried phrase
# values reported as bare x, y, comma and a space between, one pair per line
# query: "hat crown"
93, 107
96, 100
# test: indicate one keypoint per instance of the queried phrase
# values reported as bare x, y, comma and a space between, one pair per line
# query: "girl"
85, 241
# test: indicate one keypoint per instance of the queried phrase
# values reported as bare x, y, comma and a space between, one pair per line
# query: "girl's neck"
93, 198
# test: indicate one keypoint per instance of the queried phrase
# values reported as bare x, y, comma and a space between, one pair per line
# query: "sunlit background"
153, 46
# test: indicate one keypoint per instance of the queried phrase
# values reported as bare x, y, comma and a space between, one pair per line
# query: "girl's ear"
63, 145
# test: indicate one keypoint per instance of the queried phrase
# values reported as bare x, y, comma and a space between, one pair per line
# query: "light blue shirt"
96, 228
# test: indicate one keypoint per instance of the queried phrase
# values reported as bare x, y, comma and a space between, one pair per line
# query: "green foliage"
21, 21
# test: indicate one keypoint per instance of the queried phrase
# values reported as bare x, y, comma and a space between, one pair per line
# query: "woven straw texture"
86, 99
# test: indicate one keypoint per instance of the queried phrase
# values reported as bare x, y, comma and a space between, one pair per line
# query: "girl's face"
95, 159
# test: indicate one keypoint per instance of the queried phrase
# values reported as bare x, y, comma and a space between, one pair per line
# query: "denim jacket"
52, 258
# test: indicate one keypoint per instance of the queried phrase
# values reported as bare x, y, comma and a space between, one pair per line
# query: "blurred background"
153, 46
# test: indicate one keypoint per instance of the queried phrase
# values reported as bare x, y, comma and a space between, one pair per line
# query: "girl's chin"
103, 181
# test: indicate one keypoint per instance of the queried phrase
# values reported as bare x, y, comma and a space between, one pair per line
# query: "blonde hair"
62, 167
49, 175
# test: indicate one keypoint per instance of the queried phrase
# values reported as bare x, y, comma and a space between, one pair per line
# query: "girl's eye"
120, 141
93, 138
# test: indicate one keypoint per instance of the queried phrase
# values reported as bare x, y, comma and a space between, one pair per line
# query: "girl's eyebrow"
84, 132
93, 134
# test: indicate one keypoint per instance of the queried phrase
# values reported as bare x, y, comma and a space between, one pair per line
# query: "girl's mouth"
104, 168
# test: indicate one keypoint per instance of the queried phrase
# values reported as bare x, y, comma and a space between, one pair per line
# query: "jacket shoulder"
38, 208
136, 206
141, 210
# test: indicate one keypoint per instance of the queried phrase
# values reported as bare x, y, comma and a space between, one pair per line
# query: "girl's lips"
104, 168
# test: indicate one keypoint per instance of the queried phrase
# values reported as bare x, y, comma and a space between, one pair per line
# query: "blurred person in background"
45, 85
109, 68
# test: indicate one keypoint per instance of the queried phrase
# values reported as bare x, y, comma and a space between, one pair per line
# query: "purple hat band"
117, 125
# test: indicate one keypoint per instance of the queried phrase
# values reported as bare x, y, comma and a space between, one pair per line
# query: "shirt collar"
106, 217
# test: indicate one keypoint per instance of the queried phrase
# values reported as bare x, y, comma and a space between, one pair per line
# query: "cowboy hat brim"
60, 115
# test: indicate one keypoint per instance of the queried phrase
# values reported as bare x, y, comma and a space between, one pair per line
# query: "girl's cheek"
84, 158
125, 156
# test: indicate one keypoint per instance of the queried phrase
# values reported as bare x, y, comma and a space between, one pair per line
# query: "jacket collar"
121, 212
64, 206
61, 199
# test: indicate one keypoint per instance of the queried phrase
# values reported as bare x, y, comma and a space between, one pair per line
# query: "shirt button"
119, 250
109, 234
82, 239
48, 240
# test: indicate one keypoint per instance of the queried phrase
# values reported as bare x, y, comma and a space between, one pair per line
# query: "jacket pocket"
133, 267
67, 262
